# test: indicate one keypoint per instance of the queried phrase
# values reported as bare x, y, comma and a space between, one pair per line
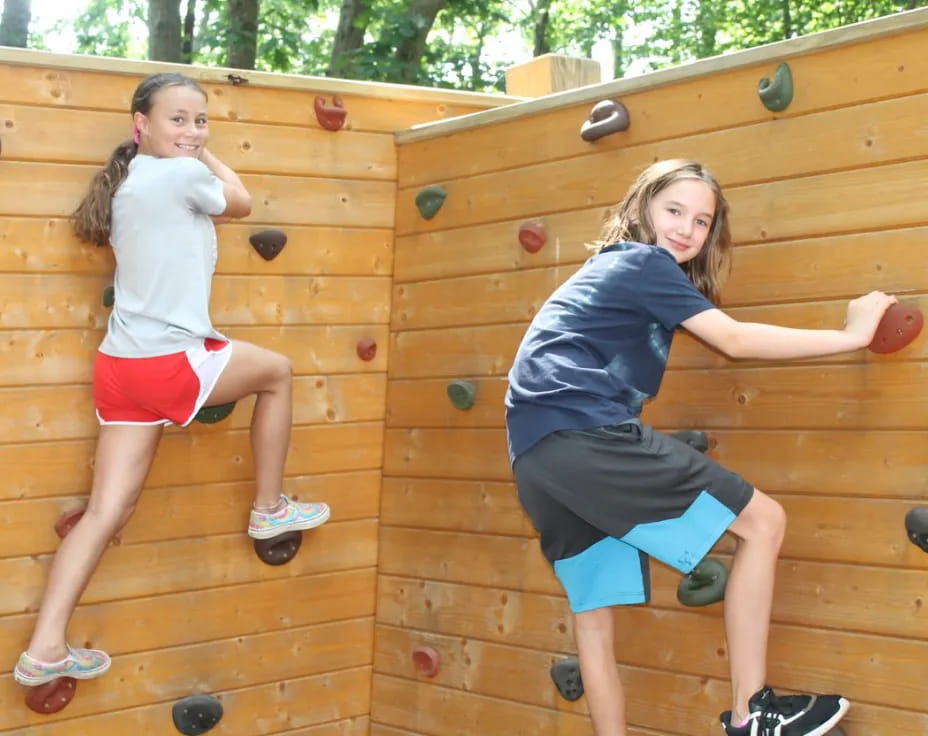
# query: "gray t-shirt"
165, 246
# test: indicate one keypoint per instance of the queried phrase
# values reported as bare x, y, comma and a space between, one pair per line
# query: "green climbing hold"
704, 585
463, 394
430, 200
213, 414
777, 95
109, 296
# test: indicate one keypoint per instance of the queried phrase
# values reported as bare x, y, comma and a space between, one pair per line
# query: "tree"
349, 37
14, 23
164, 30
242, 33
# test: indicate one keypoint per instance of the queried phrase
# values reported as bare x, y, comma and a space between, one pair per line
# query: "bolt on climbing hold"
52, 696
68, 520
567, 679
109, 296
705, 584
777, 94
533, 235
607, 116
695, 438
278, 550
916, 526
268, 243
462, 394
366, 348
213, 414
330, 117
196, 714
900, 325
430, 200
427, 661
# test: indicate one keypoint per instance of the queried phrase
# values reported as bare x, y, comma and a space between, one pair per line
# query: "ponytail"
93, 216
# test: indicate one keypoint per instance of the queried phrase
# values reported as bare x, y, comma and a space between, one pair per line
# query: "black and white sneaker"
788, 715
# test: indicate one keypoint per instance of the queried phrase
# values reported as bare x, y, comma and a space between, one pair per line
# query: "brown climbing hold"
52, 696
268, 243
427, 660
533, 235
367, 348
606, 117
331, 117
280, 549
68, 520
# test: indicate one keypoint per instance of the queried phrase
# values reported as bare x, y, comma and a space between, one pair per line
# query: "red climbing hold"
427, 660
52, 696
899, 326
533, 235
367, 348
331, 117
68, 520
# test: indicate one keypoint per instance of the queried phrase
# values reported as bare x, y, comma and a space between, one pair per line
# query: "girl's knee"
281, 367
108, 520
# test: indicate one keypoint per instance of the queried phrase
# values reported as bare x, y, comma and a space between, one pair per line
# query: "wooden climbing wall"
180, 599
828, 203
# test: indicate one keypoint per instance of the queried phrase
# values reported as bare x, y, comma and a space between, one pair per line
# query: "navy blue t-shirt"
598, 347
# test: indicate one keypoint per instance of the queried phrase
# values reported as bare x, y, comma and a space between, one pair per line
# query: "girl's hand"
864, 315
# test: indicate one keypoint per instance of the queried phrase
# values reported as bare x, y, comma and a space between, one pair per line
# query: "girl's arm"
770, 342
238, 200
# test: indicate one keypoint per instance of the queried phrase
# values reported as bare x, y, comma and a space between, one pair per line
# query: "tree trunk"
14, 23
542, 20
164, 30
787, 20
349, 37
187, 41
242, 45
410, 50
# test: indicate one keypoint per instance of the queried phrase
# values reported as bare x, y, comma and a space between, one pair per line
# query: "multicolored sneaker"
292, 517
81, 664
788, 715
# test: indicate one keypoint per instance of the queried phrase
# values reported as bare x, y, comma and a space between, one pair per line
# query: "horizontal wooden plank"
846, 76
47, 245
140, 570
474, 506
186, 511
389, 110
38, 189
487, 350
478, 454
39, 357
64, 468
263, 708
177, 619
808, 594
86, 136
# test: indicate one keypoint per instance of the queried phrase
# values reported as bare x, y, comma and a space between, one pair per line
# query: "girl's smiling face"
176, 124
681, 215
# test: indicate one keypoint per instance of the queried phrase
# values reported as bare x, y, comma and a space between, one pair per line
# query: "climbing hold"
532, 235
196, 714
777, 95
109, 296
213, 414
462, 394
704, 585
427, 661
268, 243
330, 117
430, 200
694, 438
67, 521
916, 524
367, 348
566, 676
279, 550
52, 696
606, 117
900, 325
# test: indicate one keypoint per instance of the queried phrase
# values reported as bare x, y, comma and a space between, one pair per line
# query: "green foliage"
107, 28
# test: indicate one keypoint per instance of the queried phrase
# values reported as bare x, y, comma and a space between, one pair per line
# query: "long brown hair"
631, 221
93, 216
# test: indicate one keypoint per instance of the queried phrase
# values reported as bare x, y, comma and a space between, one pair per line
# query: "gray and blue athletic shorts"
605, 500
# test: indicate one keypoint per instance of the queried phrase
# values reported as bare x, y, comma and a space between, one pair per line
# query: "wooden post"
551, 73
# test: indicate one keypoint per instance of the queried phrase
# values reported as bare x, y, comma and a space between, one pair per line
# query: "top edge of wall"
278, 80
779, 51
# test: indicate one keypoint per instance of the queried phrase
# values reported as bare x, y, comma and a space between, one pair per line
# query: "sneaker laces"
770, 720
